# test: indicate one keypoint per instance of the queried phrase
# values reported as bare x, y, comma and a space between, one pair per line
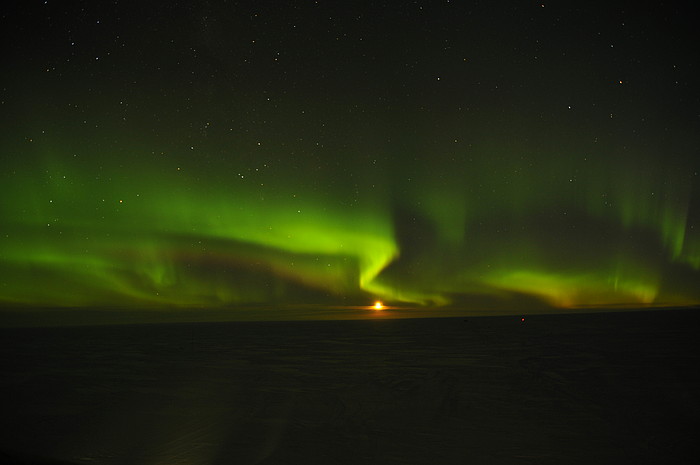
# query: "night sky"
435, 154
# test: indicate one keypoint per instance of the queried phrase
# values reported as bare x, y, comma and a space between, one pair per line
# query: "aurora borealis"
438, 154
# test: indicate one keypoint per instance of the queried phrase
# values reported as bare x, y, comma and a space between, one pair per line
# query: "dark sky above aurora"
439, 153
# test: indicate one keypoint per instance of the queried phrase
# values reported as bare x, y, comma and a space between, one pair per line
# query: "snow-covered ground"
568, 389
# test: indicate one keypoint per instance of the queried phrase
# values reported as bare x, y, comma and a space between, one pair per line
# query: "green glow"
203, 239
568, 290
229, 188
139, 240
164, 235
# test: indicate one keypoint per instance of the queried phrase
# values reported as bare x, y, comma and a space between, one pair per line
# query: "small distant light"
522, 320
378, 305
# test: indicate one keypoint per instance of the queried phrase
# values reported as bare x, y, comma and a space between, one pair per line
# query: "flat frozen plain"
553, 389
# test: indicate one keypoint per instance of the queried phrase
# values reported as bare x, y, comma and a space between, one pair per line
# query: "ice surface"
574, 389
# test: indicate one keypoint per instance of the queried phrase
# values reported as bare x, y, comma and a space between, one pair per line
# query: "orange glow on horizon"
378, 305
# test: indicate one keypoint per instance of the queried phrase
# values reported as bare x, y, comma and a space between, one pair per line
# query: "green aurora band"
153, 233
237, 156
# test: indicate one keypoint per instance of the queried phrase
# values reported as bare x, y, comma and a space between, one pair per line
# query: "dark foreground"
570, 389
